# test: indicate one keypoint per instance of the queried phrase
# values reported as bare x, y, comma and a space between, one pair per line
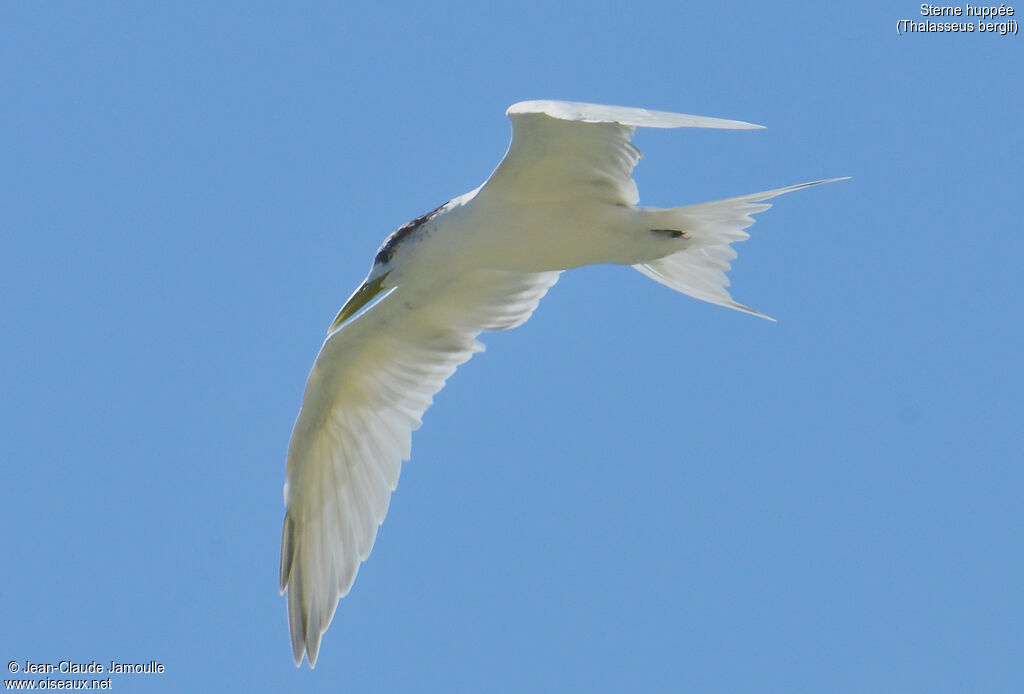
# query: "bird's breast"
549, 235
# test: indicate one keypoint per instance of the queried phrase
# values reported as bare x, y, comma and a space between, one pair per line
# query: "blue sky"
634, 491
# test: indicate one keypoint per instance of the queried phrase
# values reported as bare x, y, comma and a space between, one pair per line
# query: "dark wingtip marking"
287, 550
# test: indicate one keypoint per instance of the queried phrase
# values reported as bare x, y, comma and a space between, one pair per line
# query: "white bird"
562, 197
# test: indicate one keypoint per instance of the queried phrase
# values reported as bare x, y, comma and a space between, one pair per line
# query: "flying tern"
562, 197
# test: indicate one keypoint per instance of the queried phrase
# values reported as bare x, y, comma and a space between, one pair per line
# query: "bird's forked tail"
699, 270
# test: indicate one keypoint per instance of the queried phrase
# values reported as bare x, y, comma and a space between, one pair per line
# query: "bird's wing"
564, 150
370, 384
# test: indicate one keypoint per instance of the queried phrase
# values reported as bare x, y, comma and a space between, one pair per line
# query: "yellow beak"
360, 297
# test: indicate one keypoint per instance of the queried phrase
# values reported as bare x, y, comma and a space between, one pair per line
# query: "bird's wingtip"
625, 115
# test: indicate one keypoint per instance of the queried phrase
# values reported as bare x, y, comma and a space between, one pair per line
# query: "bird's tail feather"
709, 228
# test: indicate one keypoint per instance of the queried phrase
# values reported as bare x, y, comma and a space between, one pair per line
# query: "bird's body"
562, 197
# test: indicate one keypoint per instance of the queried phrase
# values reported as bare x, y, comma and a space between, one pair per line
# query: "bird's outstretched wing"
563, 150
370, 384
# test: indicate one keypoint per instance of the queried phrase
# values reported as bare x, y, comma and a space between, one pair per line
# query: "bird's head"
394, 255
